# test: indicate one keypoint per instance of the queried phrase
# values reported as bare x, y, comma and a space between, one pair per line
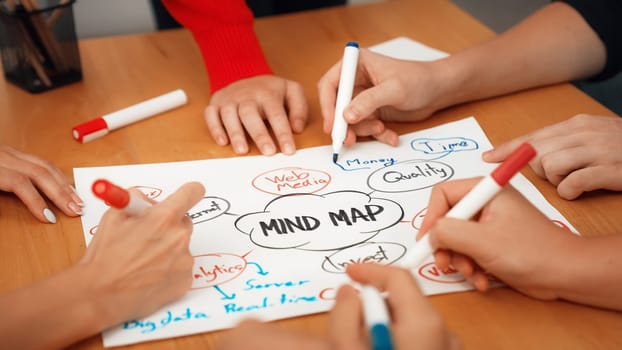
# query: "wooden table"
119, 71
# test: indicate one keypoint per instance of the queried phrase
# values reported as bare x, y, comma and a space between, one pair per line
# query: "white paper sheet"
261, 251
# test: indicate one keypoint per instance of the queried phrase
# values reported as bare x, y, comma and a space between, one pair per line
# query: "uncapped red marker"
119, 197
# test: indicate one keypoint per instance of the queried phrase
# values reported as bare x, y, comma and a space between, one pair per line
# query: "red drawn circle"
435, 274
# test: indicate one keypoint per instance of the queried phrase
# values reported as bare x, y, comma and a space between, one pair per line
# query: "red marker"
475, 200
101, 126
120, 198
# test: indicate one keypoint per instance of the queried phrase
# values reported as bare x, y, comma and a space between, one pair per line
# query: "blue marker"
377, 318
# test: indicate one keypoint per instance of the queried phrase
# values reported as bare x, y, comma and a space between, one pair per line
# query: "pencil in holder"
38, 44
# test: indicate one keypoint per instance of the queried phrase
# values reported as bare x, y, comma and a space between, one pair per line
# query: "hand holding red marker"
475, 200
120, 198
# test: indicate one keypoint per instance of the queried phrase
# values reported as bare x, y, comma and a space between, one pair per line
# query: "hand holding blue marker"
344, 96
377, 318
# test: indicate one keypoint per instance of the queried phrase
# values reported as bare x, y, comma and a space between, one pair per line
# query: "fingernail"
288, 148
267, 150
349, 116
240, 149
298, 126
77, 200
51, 218
74, 208
221, 141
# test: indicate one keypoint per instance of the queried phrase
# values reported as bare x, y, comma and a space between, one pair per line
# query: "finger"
46, 177
277, 117
463, 264
548, 148
327, 93
442, 258
557, 164
388, 137
297, 107
479, 280
20, 185
590, 179
350, 138
442, 198
404, 295
368, 101
250, 116
346, 319
233, 126
182, 200
501, 152
368, 127
53, 170
212, 119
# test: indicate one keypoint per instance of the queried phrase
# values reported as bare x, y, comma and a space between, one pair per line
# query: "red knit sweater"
223, 30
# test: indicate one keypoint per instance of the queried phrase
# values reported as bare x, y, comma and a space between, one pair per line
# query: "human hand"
577, 155
414, 320
385, 90
243, 106
139, 263
510, 239
23, 174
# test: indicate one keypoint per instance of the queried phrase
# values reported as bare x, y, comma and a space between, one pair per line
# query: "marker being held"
475, 200
344, 96
377, 318
101, 126
120, 198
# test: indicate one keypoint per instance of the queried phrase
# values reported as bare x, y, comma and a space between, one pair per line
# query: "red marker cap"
90, 130
113, 195
513, 164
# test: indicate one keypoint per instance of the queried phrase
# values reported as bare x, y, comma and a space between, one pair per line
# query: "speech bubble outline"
210, 212
377, 253
291, 180
410, 175
446, 145
226, 264
319, 222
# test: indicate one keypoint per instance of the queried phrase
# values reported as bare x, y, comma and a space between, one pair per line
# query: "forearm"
551, 46
224, 32
59, 310
588, 271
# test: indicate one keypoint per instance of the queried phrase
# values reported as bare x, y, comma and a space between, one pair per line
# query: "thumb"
184, 198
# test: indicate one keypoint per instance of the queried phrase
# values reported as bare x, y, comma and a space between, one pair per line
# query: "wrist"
86, 306
587, 273
452, 80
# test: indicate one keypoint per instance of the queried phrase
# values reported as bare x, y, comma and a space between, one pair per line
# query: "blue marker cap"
381, 337
353, 44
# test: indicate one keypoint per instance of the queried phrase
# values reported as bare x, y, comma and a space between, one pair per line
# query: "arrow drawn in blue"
260, 270
225, 296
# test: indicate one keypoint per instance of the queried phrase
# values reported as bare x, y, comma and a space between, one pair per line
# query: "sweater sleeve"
223, 30
605, 18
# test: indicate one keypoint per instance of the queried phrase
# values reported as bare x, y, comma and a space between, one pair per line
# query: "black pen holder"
38, 44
